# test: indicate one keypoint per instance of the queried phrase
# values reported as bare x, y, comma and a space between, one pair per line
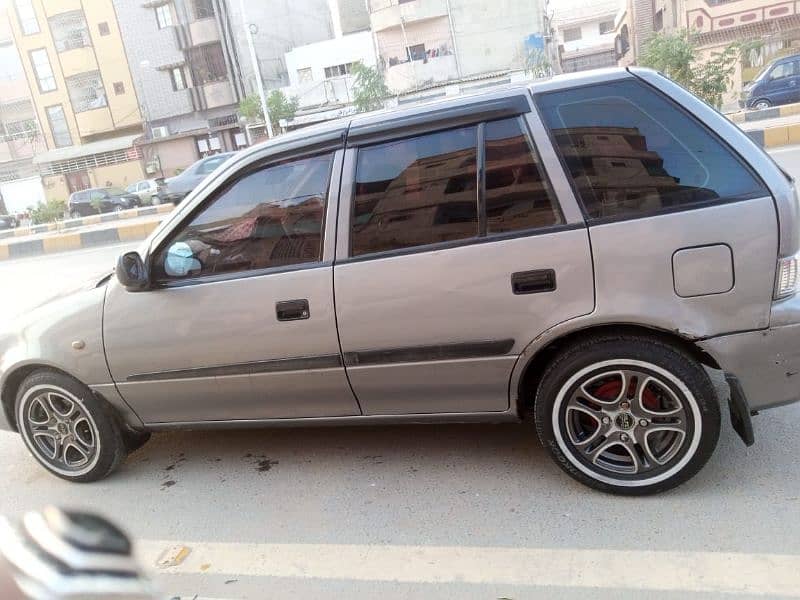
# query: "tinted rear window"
632, 152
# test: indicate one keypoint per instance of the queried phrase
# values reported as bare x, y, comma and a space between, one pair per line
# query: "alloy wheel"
60, 430
626, 423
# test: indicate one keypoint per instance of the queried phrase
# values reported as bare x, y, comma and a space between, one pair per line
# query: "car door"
99, 199
143, 192
782, 85
453, 256
240, 323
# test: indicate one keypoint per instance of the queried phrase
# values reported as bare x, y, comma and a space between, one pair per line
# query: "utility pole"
254, 60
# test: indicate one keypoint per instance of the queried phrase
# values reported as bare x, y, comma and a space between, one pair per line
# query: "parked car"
8, 222
777, 83
579, 249
146, 190
175, 189
110, 199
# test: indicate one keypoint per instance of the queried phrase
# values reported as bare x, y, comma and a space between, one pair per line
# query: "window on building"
416, 52
658, 20
119, 88
102, 29
573, 34
415, 192
305, 75
43, 70
203, 9
58, 126
631, 152
86, 91
207, 64
69, 30
338, 70
163, 16
26, 15
606, 26
270, 218
18, 128
518, 194
178, 78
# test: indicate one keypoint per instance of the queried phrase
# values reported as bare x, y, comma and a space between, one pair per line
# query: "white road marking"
713, 572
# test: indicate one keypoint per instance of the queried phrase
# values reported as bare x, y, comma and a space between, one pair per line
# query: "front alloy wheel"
70, 431
628, 416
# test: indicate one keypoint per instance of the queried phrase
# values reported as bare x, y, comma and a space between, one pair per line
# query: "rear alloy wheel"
761, 105
628, 416
75, 214
67, 429
155, 201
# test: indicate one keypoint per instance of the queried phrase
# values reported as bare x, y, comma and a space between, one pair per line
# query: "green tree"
369, 88
278, 105
676, 56
537, 63
48, 212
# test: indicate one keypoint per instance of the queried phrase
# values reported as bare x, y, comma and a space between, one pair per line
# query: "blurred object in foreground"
56, 554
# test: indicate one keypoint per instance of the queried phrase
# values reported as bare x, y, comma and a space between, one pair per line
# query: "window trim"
36, 71
158, 14
592, 221
227, 184
35, 18
484, 236
50, 124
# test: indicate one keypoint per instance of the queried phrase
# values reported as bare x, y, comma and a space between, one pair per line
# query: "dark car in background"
777, 83
8, 222
175, 189
108, 199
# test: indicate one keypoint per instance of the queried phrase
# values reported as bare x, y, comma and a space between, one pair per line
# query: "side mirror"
132, 272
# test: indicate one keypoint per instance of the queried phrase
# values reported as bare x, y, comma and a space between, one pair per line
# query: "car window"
80, 197
269, 218
211, 164
631, 152
143, 186
518, 194
416, 191
97, 195
782, 70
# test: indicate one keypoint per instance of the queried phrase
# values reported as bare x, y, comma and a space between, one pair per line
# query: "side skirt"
417, 419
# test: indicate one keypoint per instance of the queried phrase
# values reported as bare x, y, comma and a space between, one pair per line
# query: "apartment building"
586, 33
423, 43
20, 137
186, 71
82, 91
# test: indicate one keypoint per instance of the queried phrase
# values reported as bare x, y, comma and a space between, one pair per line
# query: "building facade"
20, 136
186, 72
82, 91
423, 43
586, 35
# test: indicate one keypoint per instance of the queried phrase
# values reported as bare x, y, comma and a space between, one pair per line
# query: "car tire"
74, 214
119, 208
627, 415
155, 201
761, 104
71, 432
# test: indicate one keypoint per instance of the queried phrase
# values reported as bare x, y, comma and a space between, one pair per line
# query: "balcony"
92, 122
204, 31
704, 16
212, 95
409, 75
77, 60
385, 14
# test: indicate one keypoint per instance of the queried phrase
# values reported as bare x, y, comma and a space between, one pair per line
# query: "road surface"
475, 511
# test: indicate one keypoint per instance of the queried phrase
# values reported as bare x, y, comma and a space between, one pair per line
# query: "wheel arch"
534, 359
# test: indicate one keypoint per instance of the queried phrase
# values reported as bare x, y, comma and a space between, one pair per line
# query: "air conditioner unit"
160, 132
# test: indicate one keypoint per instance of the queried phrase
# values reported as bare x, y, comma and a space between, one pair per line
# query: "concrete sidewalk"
97, 230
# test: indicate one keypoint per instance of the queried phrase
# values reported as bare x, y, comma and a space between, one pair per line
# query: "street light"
248, 28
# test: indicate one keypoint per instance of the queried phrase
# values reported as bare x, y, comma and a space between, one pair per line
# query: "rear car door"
453, 255
240, 325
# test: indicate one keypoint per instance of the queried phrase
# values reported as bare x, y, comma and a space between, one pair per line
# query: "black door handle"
533, 282
292, 310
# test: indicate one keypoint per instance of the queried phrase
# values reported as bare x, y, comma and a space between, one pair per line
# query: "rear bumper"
766, 363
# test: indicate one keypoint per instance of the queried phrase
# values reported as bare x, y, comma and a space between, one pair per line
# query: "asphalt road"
474, 511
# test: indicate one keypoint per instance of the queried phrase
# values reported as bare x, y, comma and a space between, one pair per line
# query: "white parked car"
146, 190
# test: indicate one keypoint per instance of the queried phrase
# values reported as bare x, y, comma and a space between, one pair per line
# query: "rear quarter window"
632, 152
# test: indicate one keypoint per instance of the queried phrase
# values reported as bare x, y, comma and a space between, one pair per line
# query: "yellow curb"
776, 136
737, 117
21, 232
93, 220
164, 208
150, 227
59, 243
791, 109
794, 133
3, 251
131, 232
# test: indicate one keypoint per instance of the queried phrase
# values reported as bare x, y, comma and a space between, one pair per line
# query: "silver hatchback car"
579, 250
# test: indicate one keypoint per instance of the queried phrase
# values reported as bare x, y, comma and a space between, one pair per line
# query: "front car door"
240, 324
453, 255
